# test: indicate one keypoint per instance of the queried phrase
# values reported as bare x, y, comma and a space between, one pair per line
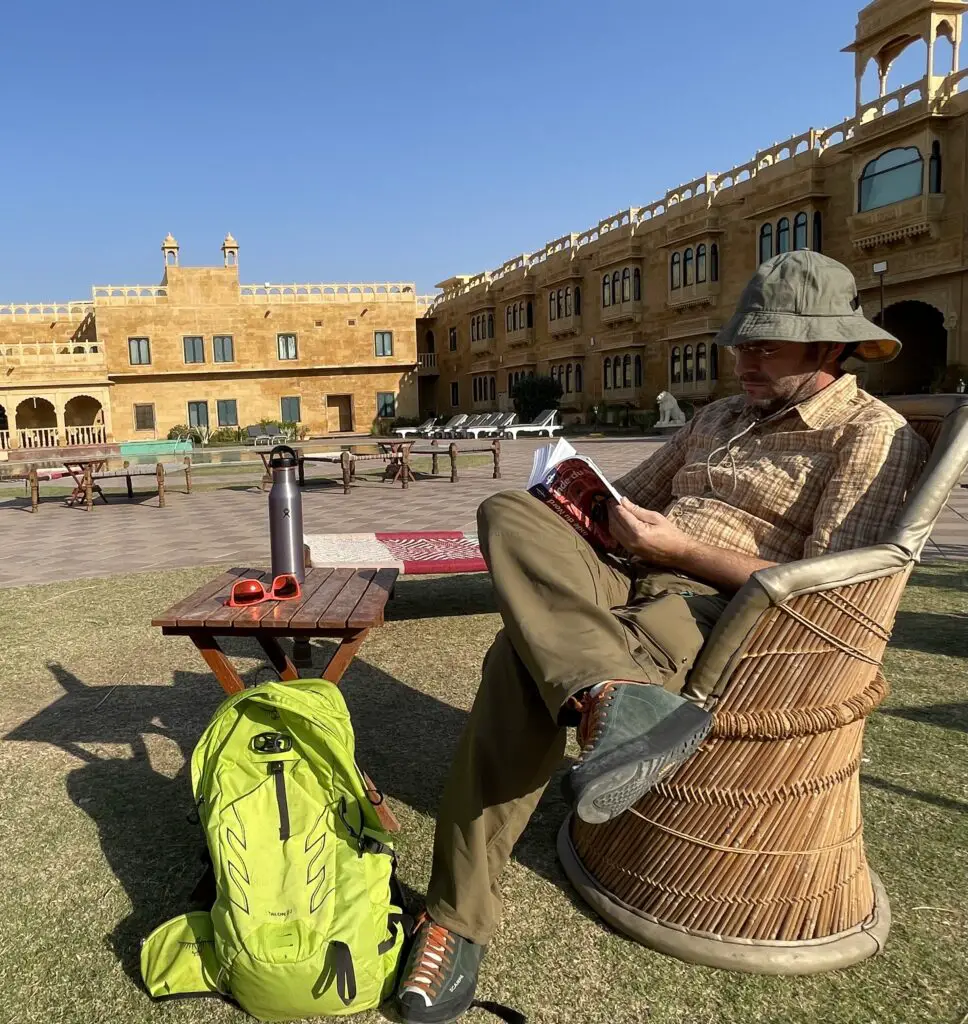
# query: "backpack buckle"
271, 743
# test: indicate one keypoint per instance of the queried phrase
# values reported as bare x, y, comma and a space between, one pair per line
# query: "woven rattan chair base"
814, 956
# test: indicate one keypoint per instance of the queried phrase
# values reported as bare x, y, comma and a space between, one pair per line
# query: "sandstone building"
202, 349
629, 307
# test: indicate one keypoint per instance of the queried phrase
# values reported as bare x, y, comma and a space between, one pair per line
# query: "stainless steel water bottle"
285, 514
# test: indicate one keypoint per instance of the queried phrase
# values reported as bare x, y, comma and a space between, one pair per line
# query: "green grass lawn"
98, 713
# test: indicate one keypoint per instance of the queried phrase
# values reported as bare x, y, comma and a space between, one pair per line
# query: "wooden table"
83, 470
342, 604
398, 465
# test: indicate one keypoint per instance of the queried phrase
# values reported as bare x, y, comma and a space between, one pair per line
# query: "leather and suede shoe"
632, 735
440, 976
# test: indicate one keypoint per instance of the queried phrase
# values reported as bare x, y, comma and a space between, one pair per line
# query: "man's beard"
788, 391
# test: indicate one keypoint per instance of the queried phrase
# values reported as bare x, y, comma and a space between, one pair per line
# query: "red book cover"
576, 490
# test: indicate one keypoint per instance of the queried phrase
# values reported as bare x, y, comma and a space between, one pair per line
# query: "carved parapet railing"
38, 437
906, 96
4, 440
272, 293
129, 294
86, 435
47, 353
73, 312
897, 222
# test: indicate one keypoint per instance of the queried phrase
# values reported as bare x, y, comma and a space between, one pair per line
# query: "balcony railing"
621, 311
95, 434
427, 361
39, 437
87, 353
565, 325
4, 440
522, 336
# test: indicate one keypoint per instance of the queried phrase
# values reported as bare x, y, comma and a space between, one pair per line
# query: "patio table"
343, 604
83, 472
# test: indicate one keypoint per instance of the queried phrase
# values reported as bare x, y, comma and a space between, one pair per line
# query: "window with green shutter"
228, 412
290, 410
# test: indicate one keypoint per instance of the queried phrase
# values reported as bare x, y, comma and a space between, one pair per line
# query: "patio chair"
454, 421
455, 431
495, 428
418, 431
257, 436
486, 422
751, 856
543, 423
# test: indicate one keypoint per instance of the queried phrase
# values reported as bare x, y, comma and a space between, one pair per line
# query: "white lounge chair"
484, 422
459, 428
451, 424
424, 427
494, 429
544, 423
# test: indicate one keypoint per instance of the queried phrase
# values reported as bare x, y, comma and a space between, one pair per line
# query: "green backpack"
306, 921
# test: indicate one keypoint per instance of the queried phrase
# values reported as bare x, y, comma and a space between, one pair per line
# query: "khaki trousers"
571, 619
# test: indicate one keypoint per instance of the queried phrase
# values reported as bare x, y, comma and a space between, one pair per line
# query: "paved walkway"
230, 524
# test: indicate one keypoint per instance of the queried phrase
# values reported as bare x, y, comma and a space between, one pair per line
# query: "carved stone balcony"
565, 325
897, 222
619, 311
427, 364
693, 296
522, 336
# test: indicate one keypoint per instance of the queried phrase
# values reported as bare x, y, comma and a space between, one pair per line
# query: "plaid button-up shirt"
829, 475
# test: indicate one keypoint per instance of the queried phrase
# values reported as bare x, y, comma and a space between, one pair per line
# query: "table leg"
343, 655
278, 657
225, 672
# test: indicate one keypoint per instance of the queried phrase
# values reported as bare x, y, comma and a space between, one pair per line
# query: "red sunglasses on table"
247, 592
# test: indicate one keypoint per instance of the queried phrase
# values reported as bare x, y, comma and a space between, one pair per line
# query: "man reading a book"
801, 463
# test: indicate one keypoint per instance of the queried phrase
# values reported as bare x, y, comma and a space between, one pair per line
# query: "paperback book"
574, 487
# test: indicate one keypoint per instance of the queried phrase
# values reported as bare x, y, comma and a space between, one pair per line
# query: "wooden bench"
88, 484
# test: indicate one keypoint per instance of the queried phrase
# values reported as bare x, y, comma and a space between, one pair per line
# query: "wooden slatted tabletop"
343, 604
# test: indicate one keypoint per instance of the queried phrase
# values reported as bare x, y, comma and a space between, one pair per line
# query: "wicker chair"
751, 857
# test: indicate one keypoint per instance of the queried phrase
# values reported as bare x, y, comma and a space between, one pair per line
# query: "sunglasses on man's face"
285, 587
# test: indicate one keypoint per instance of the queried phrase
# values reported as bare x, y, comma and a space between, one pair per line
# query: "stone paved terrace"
229, 524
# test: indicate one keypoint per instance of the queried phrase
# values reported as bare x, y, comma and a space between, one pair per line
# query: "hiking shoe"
632, 735
440, 976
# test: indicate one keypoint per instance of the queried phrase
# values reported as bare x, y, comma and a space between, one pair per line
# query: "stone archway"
84, 420
924, 356
37, 423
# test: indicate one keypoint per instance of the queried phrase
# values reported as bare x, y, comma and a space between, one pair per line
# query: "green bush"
225, 435
181, 430
532, 395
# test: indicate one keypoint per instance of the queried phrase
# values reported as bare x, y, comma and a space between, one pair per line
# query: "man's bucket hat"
803, 296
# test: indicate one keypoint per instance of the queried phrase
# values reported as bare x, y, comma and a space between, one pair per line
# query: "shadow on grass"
431, 597
931, 632
948, 716
945, 802
405, 740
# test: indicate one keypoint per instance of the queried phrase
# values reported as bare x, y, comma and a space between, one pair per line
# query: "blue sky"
377, 141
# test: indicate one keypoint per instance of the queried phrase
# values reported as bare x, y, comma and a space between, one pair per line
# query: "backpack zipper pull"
278, 769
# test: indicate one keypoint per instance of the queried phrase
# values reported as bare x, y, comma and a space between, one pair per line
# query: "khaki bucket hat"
803, 296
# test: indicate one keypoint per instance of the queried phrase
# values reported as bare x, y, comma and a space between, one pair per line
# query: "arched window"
577, 300
530, 311
934, 168
714, 262
554, 373
430, 341
817, 232
675, 366
493, 388
688, 370
783, 235
616, 286
578, 386
490, 325
676, 271
687, 277
568, 378
700, 264
551, 306
638, 371
714, 362
766, 243
473, 328
616, 372
514, 317
606, 290
561, 302
800, 231
568, 301
507, 319
701, 361
474, 387
627, 284
636, 284
607, 373
895, 175
627, 372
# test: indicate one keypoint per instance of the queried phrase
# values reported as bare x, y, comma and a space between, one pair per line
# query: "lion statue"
670, 415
